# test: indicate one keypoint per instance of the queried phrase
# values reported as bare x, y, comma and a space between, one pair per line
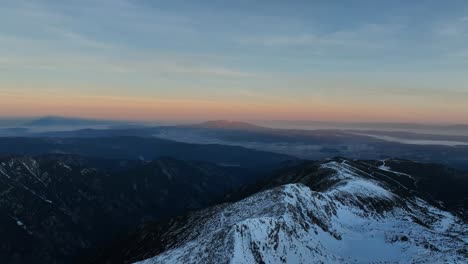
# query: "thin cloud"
62, 46
452, 28
460, 54
365, 36
213, 71
284, 40
80, 39
150, 66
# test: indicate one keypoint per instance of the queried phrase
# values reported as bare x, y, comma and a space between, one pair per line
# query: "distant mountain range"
451, 150
285, 124
31, 126
65, 121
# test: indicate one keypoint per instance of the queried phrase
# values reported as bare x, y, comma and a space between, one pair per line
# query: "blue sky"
320, 60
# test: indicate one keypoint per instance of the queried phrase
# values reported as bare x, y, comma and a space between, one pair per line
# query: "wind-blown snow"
293, 224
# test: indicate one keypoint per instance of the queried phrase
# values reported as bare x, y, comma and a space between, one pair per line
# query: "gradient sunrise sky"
395, 61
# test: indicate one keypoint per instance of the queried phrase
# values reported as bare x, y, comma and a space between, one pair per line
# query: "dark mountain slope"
58, 209
141, 148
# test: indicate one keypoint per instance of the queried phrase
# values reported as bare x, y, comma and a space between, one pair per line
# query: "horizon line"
199, 120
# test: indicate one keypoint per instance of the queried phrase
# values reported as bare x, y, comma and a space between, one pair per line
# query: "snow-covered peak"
357, 219
351, 182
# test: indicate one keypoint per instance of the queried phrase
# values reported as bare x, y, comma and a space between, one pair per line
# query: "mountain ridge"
311, 213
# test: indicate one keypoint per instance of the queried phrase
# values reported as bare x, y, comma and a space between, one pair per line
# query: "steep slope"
53, 209
348, 212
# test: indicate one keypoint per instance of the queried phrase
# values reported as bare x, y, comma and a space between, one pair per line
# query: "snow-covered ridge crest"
356, 220
352, 183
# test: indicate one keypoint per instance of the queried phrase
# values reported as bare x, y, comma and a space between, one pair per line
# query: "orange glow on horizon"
152, 109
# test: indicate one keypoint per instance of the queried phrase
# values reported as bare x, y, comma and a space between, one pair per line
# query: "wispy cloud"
41, 27
94, 24
79, 39
456, 27
210, 71
450, 38
365, 36
243, 53
460, 54
150, 66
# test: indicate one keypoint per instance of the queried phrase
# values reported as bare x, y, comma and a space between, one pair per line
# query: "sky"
356, 61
